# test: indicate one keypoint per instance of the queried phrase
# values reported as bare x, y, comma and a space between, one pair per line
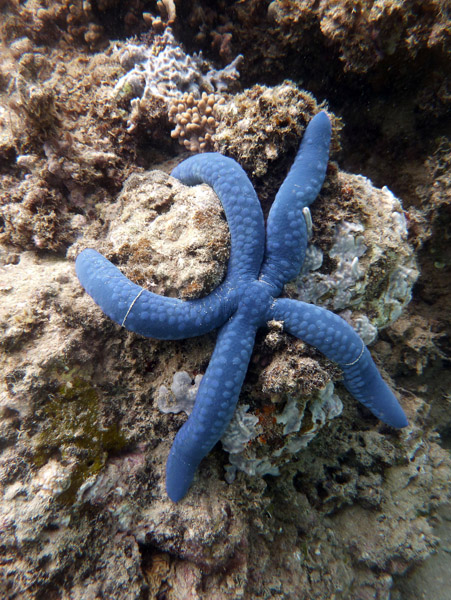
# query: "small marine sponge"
195, 120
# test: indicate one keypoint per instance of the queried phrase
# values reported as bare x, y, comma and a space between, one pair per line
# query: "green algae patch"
73, 430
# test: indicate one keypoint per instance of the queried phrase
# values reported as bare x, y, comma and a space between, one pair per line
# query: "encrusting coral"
356, 254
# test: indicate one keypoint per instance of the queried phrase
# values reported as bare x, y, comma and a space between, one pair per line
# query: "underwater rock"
366, 272
367, 32
167, 237
263, 124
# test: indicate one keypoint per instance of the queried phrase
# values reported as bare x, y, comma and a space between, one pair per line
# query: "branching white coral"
163, 70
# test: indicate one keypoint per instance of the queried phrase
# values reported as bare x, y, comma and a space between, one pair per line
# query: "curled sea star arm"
241, 206
286, 239
146, 313
215, 403
337, 340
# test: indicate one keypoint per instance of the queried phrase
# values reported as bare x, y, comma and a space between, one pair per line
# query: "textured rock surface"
83, 437
370, 273
366, 32
256, 142
164, 236
359, 512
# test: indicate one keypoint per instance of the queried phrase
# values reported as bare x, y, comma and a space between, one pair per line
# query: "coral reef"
164, 71
365, 32
58, 137
372, 275
74, 22
360, 512
361, 34
116, 513
195, 120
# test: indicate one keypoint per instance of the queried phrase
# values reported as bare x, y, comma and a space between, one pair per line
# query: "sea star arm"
159, 317
215, 403
147, 313
241, 206
337, 340
286, 239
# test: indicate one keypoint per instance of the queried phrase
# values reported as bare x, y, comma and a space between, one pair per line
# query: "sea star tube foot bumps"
260, 263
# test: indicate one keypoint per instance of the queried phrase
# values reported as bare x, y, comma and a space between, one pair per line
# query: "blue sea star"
245, 301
